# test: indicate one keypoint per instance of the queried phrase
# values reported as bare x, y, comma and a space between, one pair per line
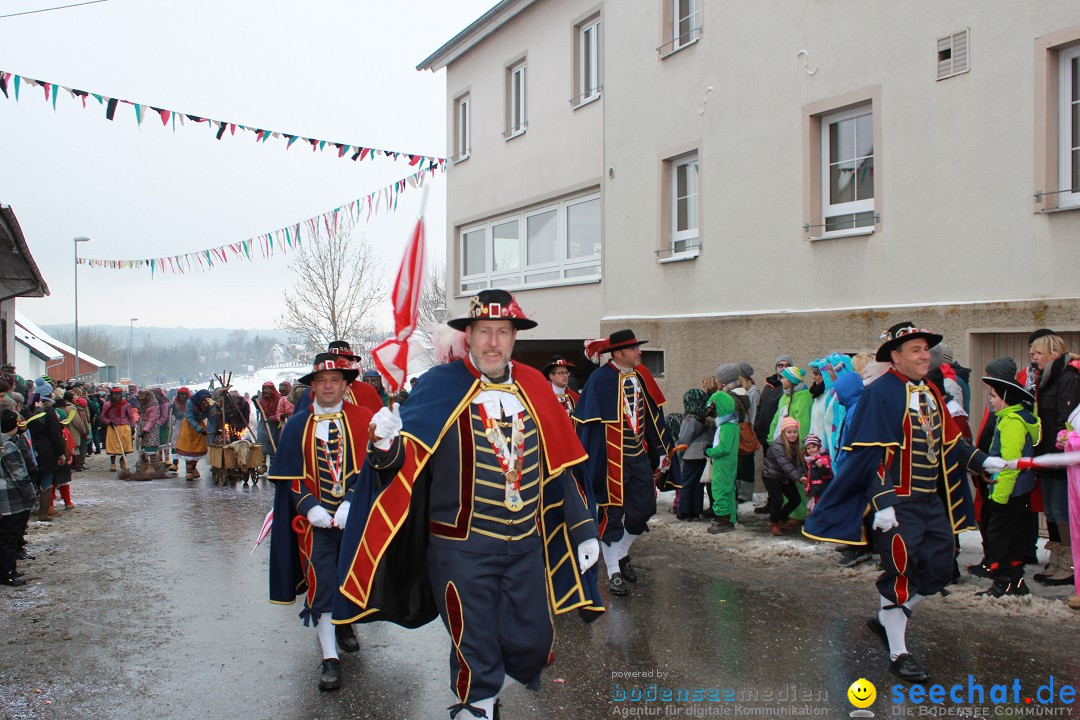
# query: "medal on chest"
926, 421
630, 408
510, 453
334, 462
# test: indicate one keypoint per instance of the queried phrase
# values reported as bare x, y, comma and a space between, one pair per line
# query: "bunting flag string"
280, 241
11, 84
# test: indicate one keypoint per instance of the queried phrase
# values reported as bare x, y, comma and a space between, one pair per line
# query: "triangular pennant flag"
138, 113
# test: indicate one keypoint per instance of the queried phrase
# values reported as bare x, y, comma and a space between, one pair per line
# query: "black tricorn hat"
622, 339
557, 361
901, 333
493, 305
1010, 392
342, 348
329, 361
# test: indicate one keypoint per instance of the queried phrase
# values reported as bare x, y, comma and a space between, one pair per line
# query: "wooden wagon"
236, 461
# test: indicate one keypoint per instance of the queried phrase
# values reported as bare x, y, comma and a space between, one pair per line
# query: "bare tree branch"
339, 285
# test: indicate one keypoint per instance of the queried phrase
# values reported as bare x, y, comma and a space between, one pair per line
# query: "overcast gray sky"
330, 69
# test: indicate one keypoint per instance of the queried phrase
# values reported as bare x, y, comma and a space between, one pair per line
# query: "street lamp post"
131, 331
78, 363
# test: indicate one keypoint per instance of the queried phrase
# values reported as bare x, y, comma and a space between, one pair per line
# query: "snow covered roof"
23, 322
36, 345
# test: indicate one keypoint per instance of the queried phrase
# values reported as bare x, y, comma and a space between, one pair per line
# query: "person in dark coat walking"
50, 449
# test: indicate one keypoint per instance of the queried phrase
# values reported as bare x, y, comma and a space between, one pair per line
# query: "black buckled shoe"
908, 669
627, 569
13, 580
346, 639
617, 586
330, 674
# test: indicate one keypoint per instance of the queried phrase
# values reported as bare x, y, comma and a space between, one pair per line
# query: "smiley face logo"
862, 693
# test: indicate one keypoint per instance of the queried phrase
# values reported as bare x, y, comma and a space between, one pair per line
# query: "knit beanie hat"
783, 358
812, 439
788, 422
746, 370
794, 374
727, 373
9, 420
1003, 368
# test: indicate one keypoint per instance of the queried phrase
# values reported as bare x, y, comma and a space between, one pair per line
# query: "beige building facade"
778, 177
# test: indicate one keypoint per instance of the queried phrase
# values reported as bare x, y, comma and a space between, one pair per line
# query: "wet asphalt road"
145, 602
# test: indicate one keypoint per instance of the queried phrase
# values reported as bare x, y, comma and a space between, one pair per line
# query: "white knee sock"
327, 639
624, 544
611, 557
895, 622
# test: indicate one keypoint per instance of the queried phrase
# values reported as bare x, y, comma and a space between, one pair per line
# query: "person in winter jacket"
16, 499
795, 403
818, 470
724, 454
49, 449
783, 472
1057, 394
769, 401
695, 436
1016, 433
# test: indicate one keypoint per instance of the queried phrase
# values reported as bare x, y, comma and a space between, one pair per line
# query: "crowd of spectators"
797, 418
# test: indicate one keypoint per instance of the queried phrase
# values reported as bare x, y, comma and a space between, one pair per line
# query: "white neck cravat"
322, 428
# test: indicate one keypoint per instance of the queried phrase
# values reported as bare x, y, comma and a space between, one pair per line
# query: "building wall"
961, 246
560, 153
693, 347
953, 160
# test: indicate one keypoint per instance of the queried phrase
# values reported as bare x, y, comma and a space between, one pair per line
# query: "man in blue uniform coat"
315, 474
482, 518
907, 463
620, 420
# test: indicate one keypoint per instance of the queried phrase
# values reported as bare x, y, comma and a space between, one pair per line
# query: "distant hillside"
165, 335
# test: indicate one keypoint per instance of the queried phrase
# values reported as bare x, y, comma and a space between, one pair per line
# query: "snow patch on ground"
752, 541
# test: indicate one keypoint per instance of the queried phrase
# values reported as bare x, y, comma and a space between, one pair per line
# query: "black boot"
346, 638
12, 578
330, 674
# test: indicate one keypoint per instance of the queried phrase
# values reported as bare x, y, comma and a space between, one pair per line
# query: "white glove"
318, 517
665, 464
885, 520
342, 515
1011, 464
588, 553
387, 424
994, 464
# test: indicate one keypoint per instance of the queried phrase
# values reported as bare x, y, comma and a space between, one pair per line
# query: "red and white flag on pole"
391, 357
268, 522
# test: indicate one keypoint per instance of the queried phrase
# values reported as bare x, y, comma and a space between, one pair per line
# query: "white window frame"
519, 278
588, 87
1065, 102
518, 116
463, 136
690, 236
677, 41
854, 207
